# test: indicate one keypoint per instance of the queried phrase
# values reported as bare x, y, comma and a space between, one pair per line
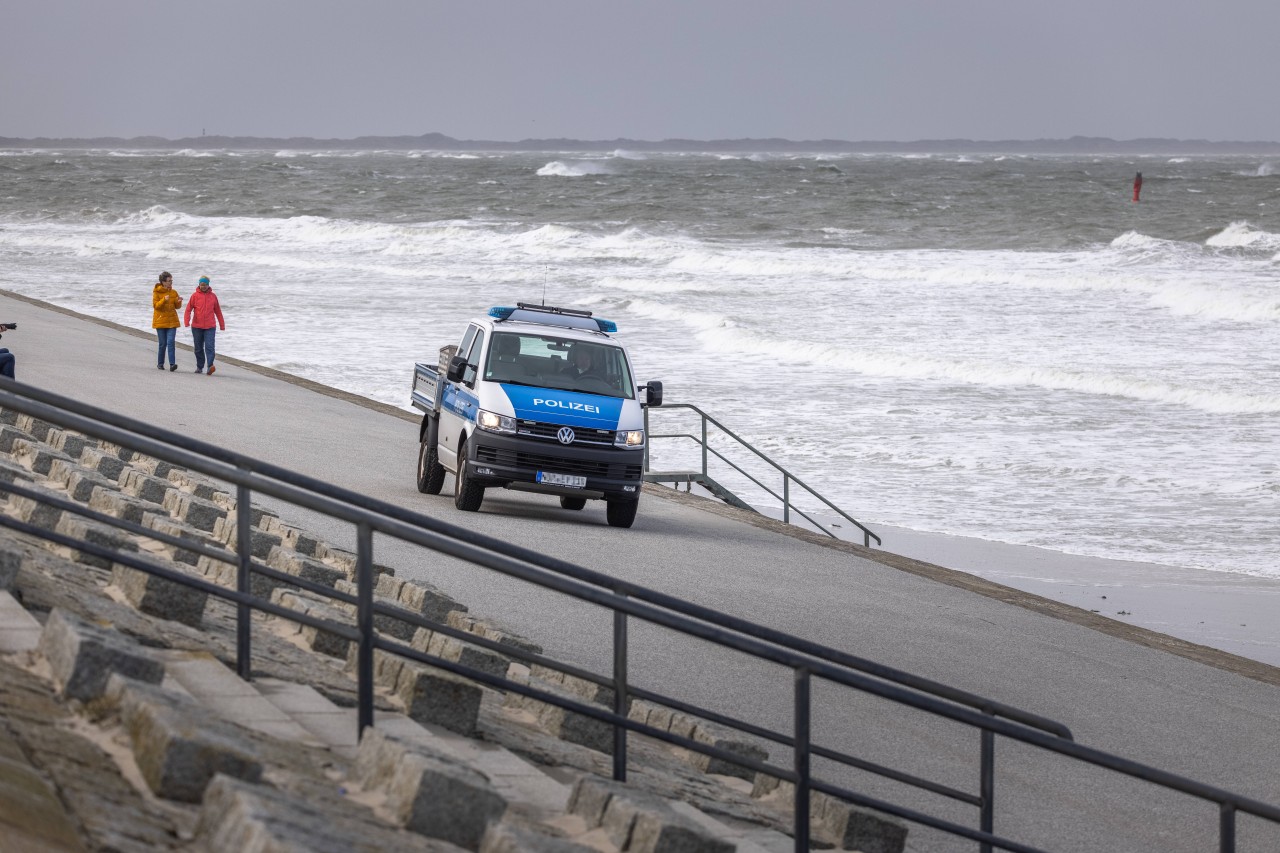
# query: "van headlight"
629, 438
496, 423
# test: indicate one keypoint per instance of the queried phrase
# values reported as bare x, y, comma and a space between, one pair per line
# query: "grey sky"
658, 69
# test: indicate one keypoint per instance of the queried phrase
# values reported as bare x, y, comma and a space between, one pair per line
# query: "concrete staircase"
136, 667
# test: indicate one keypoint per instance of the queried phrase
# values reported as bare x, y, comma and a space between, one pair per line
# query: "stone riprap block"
103, 461
419, 597
140, 484
439, 698
197, 512
845, 825
96, 533
455, 651
172, 527
316, 639
428, 791
260, 542
301, 566
10, 434
855, 828
242, 816
562, 723
391, 626
33, 426
508, 838
298, 540
10, 564
464, 621
178, 746
728, 742
36, 457
638, 821
111, 501
34, 512
10, 473
160, 597
197, 484
70, 443
150, 465
78, 480
124, 454
82, 657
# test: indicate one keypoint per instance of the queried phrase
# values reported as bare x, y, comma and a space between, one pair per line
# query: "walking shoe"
211, 370
159, 367
173, 367
199, 370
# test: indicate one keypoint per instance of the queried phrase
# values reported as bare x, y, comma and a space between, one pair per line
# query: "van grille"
548, 462
584, 435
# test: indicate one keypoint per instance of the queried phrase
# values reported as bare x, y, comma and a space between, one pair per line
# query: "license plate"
570, 480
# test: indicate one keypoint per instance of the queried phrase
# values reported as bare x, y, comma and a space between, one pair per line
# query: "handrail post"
619, 694
786, 498
244, 613
1227, 828
704, 444
647, 433
801, 759
364, 623
987, 784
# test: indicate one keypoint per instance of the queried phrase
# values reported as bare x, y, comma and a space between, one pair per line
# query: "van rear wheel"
430, 471
621, 513
467, 494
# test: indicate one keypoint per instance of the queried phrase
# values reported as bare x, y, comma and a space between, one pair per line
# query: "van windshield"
547, 361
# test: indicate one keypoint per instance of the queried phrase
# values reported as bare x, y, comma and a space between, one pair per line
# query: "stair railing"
703, 476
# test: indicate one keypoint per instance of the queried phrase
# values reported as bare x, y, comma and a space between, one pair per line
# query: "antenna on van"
546, 271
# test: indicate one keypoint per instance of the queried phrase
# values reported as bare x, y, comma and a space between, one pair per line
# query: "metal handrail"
372, 516
787, 477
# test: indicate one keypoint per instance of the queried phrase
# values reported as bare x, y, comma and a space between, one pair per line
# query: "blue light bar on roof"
607, 326
501, 312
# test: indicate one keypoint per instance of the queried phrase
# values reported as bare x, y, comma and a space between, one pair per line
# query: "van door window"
473, 359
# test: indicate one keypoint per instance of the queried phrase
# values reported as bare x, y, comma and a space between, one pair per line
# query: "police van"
536, 399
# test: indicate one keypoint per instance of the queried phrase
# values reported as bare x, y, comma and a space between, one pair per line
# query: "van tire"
621, 513
430, 471
467, 494
572, 503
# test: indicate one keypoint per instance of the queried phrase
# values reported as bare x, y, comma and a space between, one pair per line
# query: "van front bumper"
515, 461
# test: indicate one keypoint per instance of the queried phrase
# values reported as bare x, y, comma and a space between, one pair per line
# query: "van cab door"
459, 401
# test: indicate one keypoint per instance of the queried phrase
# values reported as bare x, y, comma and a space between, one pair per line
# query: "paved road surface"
1145, 704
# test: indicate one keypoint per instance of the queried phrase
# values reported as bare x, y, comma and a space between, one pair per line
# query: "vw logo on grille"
565, 435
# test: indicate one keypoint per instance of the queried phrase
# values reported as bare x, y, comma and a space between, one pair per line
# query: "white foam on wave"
574, 168
1244, 235
723, 335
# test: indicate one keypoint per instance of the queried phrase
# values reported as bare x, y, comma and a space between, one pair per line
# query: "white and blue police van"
536, 399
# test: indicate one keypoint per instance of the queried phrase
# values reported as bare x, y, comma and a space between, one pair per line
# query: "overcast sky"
657, 69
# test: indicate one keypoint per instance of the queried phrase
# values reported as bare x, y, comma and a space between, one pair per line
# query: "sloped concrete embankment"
123, 726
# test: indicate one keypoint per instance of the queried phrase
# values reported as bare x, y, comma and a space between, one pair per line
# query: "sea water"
1005, 347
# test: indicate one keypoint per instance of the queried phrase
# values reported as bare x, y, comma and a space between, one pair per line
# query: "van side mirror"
653, 393
457, 367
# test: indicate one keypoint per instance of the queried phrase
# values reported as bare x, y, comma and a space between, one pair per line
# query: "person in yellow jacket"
165, 303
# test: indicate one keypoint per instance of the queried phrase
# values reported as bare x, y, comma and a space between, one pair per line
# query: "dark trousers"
202, 341
7, 362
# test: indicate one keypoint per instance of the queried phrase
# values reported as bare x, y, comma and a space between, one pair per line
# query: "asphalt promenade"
1179, 707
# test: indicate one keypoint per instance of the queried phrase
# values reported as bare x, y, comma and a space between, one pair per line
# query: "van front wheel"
467, 494
621, 513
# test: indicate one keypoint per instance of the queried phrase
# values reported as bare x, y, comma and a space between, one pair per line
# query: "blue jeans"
202, 340
168, 341
7, 361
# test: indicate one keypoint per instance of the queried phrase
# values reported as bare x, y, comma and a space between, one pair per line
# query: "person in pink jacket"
202, 311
